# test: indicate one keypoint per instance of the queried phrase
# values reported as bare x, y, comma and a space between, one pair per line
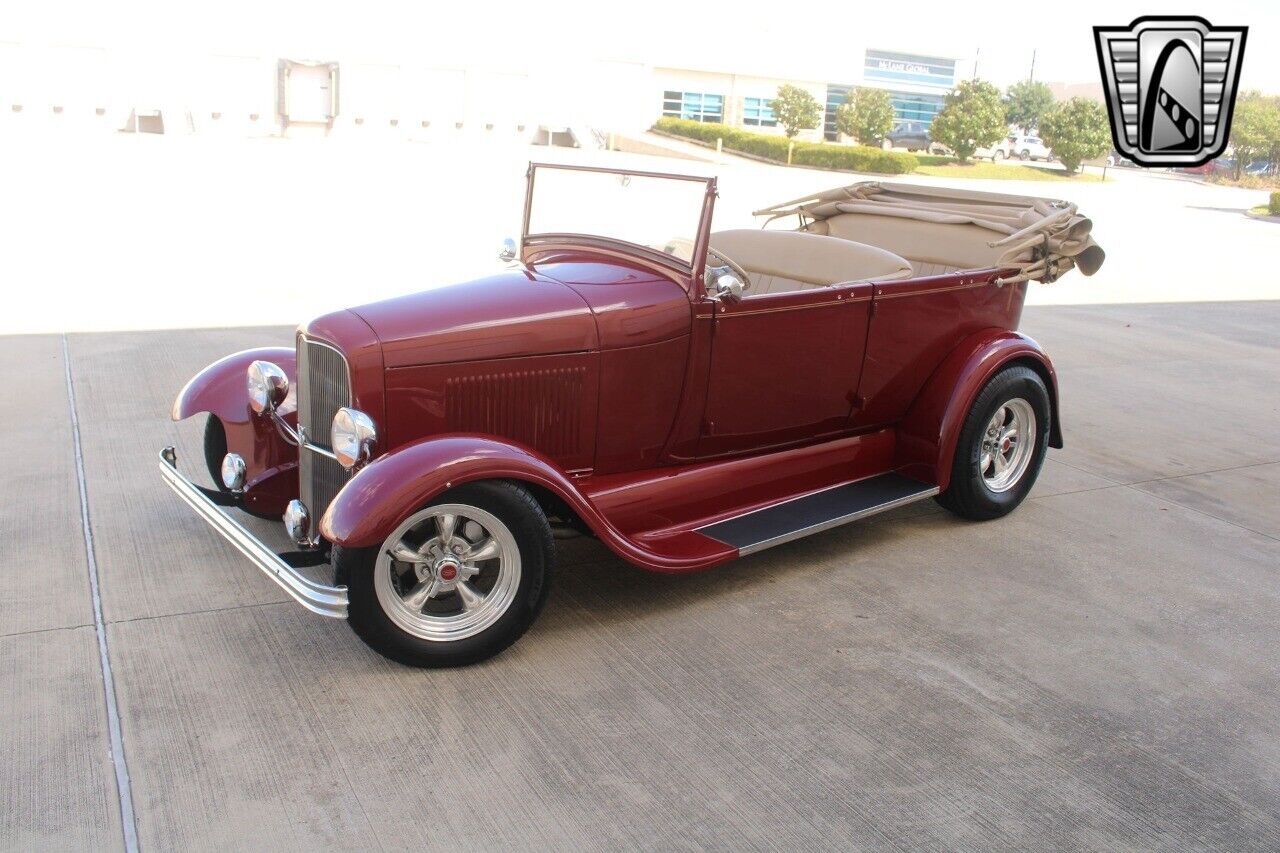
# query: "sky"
800, 40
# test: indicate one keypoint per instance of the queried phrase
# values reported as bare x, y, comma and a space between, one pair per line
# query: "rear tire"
996, 464
1025, 156
448, 610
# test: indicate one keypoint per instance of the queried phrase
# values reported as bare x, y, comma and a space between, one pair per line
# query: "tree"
972, 117
1025, 102
1255, 130
866, 115
1076, 130
795, 109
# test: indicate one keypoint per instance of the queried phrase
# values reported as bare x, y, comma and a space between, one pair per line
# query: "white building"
236, 92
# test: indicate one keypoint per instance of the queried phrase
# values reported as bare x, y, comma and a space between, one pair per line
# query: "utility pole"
1032, 78
977, 54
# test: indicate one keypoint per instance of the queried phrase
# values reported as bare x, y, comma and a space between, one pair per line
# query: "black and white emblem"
1170, 85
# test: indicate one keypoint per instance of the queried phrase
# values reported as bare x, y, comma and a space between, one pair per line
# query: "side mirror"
508, 251
726, 285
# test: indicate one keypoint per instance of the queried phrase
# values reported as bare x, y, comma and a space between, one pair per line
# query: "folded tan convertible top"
1041, 238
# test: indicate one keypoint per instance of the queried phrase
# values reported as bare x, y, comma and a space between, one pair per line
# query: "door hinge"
708, 427
871, 312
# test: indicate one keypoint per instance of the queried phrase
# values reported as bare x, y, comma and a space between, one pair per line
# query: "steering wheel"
717, 259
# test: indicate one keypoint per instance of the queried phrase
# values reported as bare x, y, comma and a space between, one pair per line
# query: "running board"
814, 513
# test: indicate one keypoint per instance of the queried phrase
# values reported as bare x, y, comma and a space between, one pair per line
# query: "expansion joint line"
128, 823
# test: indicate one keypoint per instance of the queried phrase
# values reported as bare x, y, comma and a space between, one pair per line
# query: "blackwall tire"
999, 155
465, 611
215, 448
981, 487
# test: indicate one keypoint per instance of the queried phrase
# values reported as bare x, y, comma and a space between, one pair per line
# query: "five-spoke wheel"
455, 582
450, 571
1008, 444
1002, 446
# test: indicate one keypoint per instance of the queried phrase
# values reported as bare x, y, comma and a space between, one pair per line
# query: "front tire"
457, 582
1002, 446
215, 447
998, 155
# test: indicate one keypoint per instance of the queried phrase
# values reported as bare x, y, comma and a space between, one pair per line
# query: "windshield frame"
534, 243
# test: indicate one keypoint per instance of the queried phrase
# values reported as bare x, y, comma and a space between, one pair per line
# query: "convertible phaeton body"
685, 395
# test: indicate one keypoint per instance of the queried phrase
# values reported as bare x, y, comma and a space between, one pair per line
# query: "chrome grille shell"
324, 386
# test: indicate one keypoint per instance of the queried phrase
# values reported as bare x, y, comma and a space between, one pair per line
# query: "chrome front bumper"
316, 597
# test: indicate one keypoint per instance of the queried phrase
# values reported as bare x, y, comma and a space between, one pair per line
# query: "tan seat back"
932, 248
781, 261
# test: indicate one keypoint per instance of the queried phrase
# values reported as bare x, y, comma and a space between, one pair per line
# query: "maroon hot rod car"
685, 395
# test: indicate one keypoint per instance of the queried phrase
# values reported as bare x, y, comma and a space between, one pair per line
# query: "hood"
514, 313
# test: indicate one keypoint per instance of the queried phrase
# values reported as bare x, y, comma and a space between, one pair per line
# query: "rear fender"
391, 488
928, 435
271, 462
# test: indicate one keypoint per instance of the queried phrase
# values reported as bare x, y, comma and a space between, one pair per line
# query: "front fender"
219, 389
271, 462
928, 435
391, 488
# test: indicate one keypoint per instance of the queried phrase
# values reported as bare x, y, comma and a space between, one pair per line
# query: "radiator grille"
540, 408
324, 386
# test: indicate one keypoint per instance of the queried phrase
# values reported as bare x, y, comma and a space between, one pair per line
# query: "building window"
693, 105
907, 107
758, 112
836, 93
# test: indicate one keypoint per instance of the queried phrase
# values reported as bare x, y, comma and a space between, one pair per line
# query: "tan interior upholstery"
940, 229
932, 248
780, 261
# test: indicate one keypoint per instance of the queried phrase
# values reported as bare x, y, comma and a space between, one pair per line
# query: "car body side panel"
548, 403
643, 321
393, 487
928, 435
915, 324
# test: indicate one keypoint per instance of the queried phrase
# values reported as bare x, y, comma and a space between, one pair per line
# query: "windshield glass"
657, 212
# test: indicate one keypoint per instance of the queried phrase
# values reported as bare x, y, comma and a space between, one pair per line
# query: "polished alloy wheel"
1008, 445
448, 572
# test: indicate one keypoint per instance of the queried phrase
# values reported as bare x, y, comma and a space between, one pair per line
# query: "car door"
784, 367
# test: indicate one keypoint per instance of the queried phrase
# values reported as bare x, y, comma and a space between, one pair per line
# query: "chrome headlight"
268, 386
351, 436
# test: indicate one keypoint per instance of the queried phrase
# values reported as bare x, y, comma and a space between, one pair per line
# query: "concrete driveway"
1097, 671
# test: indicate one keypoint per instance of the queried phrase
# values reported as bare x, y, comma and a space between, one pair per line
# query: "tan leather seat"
932, 248
780, 261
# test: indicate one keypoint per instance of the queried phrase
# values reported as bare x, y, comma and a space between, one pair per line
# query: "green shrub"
855, 158
1275, 204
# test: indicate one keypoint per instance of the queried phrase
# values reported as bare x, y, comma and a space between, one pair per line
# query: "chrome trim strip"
298, 438
318, 598
822, 525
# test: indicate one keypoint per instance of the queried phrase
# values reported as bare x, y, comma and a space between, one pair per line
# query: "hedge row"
1275, 204
856, 158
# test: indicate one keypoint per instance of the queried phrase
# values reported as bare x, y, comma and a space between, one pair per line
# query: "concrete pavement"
1096, 671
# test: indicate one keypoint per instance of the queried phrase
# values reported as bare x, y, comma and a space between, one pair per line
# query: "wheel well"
1055, 425
555, 508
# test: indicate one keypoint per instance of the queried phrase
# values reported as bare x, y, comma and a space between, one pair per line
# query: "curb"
1262, 217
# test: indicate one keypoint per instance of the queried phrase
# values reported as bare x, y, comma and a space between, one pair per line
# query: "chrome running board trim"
806, 515
316, 597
